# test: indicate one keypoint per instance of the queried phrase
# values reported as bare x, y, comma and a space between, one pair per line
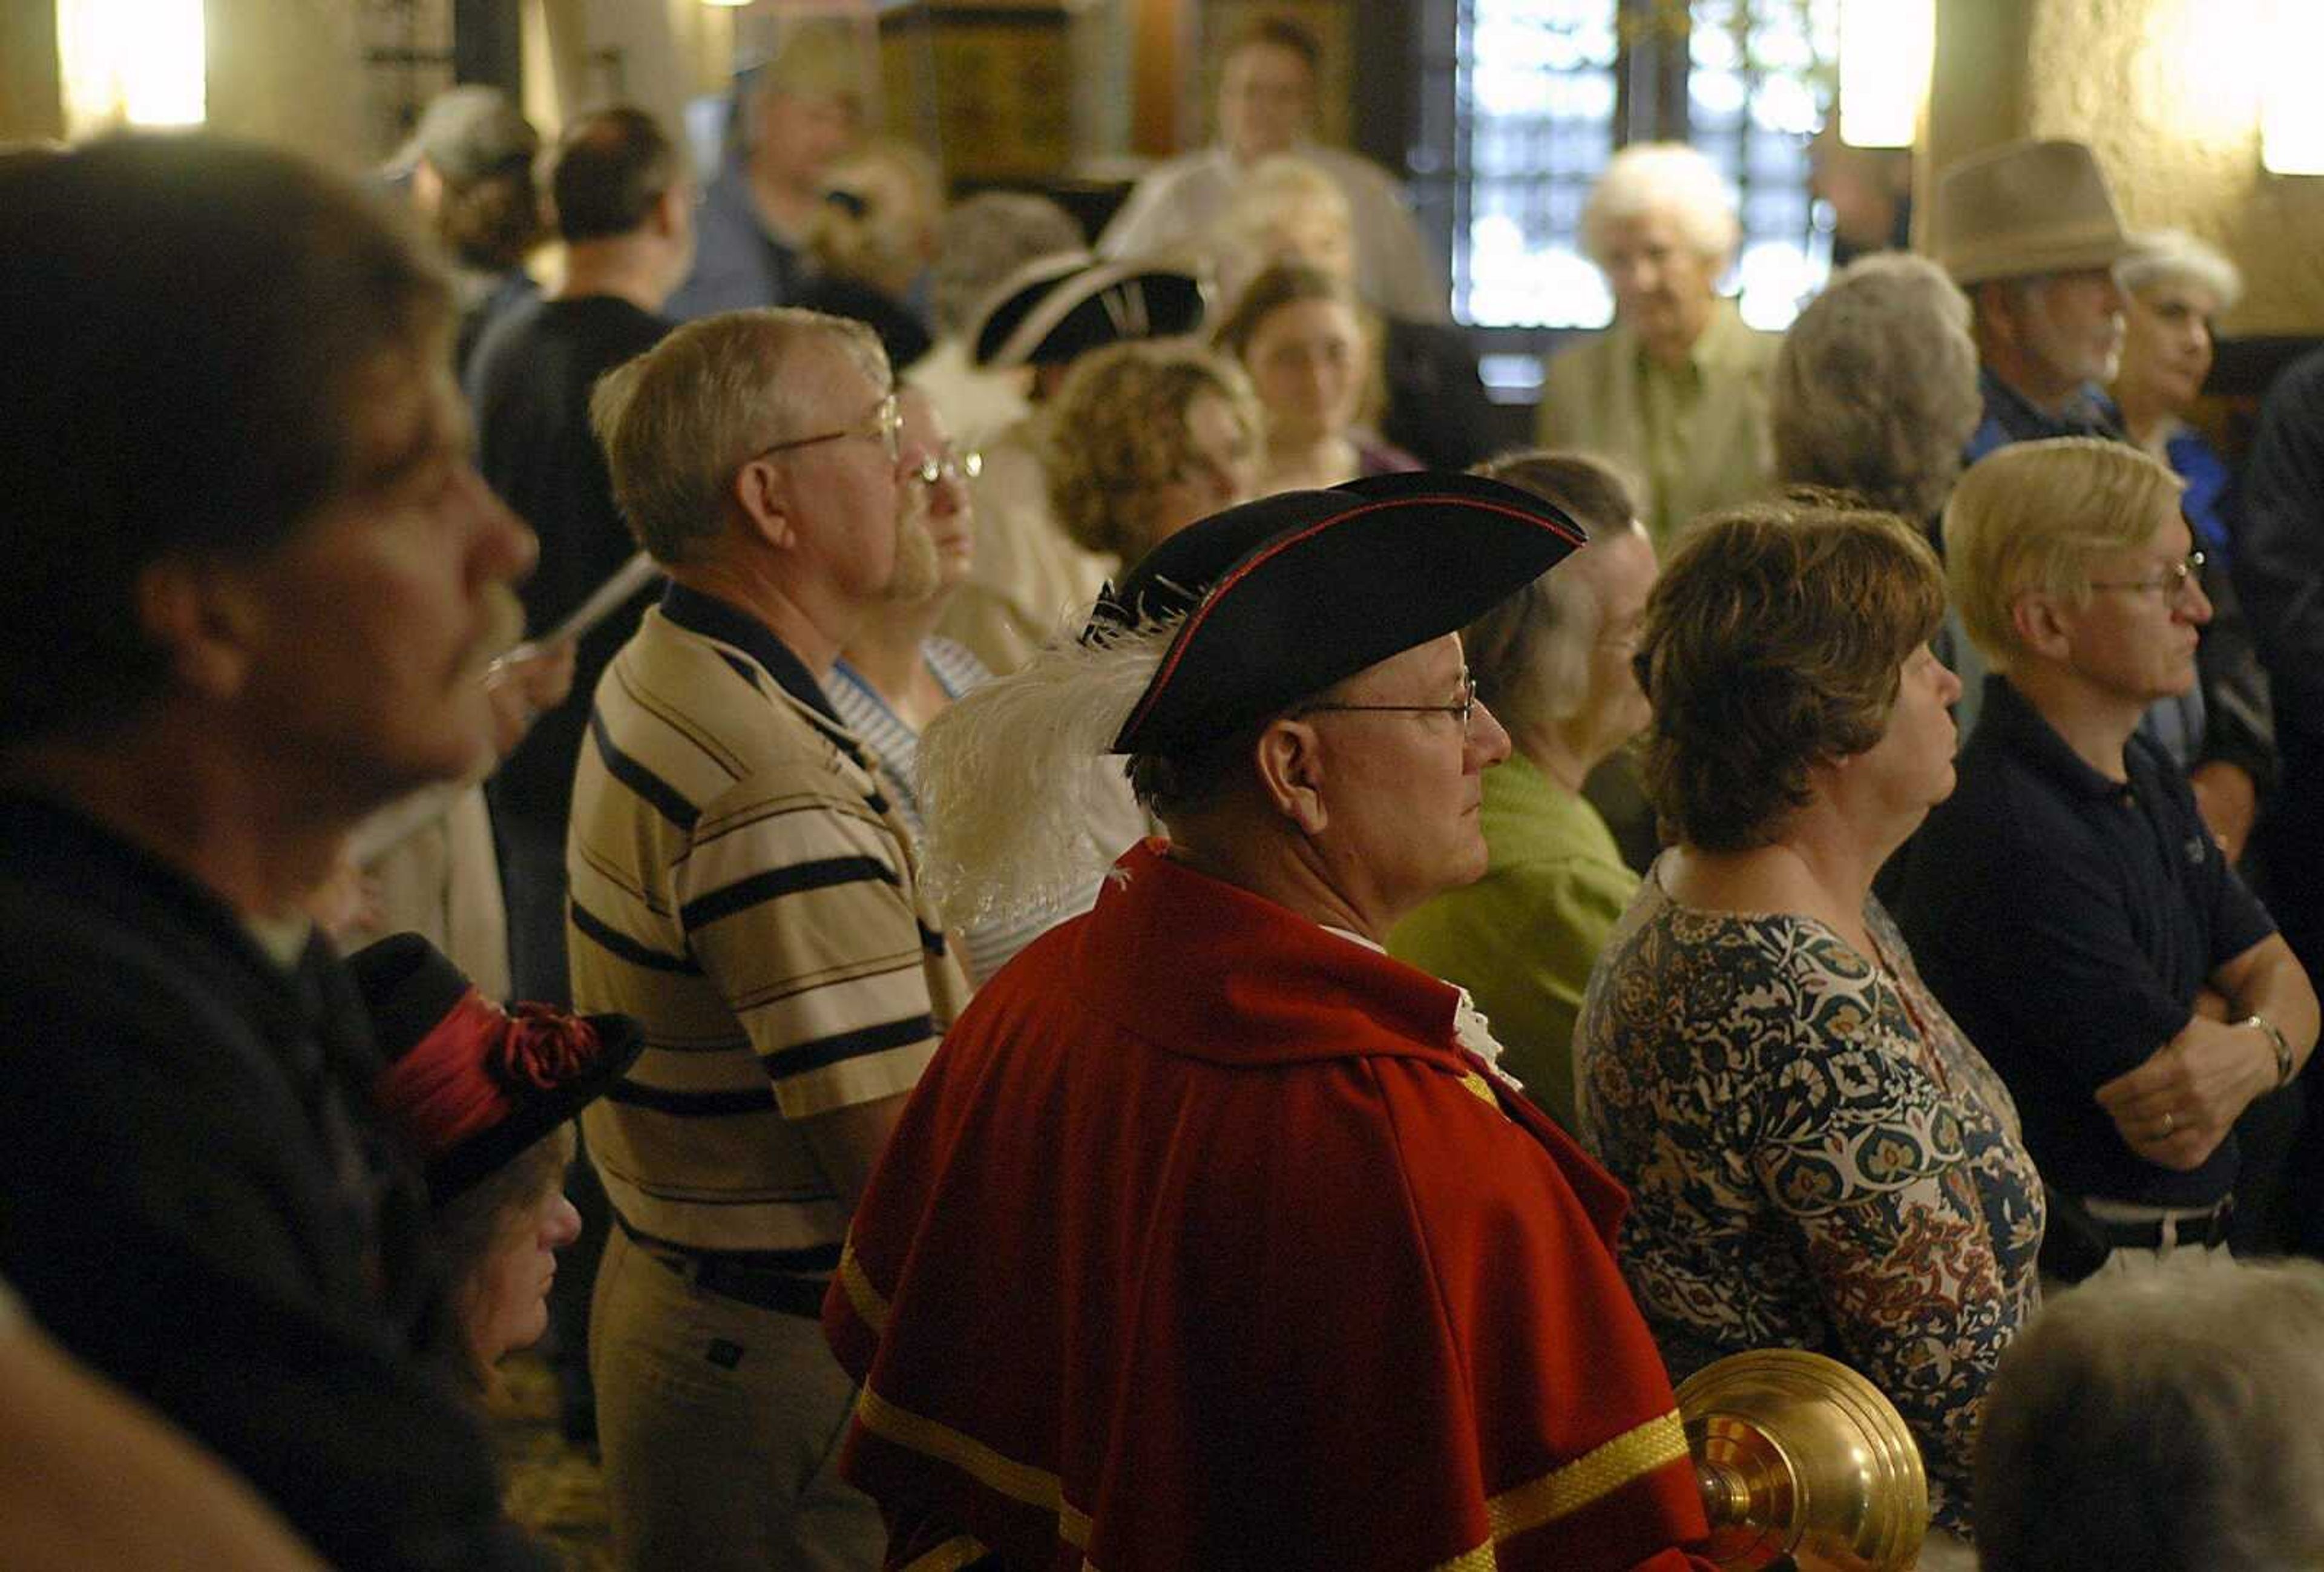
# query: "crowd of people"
1130, 948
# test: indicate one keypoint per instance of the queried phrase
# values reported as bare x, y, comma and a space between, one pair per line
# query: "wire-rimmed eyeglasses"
2172, 581
1460, 710
883, 427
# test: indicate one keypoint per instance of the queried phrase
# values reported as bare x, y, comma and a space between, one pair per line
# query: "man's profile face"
1267, 95
2135, 641
2070, 329
365, 636
844, 494
1403, 787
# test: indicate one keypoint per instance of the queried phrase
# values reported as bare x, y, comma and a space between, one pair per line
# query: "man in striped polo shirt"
742, 884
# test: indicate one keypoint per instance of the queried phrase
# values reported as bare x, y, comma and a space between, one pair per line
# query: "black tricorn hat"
1056, 309
1287, 594
468, 1084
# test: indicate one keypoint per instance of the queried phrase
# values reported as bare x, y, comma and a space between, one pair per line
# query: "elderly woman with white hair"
1553, 662
1676, 390
2168, 1424
2174, 289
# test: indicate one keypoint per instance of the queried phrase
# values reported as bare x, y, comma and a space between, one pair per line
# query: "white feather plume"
1013, 776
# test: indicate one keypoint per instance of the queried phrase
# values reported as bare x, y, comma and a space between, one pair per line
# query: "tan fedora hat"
2022, 209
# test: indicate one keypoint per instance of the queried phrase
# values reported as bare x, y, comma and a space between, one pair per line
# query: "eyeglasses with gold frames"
883, 428
2172, 581
948, 465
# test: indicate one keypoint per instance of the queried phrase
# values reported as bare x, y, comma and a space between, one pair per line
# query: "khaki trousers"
720, 1425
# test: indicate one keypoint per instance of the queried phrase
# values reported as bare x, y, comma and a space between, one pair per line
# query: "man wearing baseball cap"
1214, 1236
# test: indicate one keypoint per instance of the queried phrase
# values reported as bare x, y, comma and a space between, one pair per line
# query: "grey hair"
2166, 1422
676, 421
2166, 255
1876, 390
1663, 177
1529, 654
982, 241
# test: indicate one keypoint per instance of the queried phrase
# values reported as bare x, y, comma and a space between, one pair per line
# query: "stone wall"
2168, 94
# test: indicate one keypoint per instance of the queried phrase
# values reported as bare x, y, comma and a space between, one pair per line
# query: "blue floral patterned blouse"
1818, 1159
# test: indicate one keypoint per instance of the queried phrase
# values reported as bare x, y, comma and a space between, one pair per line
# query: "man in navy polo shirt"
2067, 903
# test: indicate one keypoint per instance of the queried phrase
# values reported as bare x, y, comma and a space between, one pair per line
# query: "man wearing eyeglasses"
1213, 1238
2029, 231
2067, 903
742, 883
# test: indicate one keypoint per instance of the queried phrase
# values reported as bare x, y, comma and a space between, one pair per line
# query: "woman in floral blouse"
1818, 1158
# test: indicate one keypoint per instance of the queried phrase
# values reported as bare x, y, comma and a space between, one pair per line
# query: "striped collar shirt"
744, 885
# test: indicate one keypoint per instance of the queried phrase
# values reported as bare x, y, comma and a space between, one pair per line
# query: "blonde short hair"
678, 420
2031, 516
1118, 432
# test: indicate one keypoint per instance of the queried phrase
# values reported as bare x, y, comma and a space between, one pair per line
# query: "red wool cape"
1202, 1244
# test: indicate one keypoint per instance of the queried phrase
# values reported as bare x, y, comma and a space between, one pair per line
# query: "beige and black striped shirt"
742, 886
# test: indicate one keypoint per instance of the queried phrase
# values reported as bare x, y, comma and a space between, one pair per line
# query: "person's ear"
763, 503
2042, 627
1289, 759
204, 618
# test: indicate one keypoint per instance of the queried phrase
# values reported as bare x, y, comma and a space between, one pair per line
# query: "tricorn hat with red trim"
469, 1084
1293, 592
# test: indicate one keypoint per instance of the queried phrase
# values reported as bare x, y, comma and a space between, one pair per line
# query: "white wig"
1668, 177
1015, 776
2173, 255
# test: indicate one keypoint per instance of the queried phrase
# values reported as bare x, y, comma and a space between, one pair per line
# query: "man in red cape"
1214, 1236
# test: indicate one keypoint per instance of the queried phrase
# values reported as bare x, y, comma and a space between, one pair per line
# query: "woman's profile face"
507, 1298
1912, 762
2166, 344
1221, 469
1622, 575
1306, 360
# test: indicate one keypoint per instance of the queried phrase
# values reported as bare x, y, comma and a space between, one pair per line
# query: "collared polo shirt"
2011, 417
743, 885
2067, 921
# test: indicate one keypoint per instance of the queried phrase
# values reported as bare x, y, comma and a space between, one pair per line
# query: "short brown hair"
609, 169
1772, 644
1117, 431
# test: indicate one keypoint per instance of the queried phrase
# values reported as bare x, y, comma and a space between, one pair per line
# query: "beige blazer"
1594, 398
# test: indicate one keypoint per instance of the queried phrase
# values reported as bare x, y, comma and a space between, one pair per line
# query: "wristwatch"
2282, 1049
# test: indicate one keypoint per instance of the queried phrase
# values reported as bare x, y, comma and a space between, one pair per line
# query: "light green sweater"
1522, 940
